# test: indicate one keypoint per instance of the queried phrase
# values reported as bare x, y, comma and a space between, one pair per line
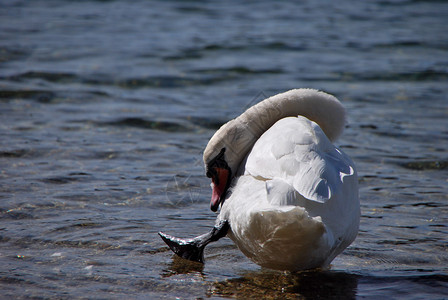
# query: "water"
106, 106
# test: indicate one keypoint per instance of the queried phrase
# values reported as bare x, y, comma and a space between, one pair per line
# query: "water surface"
106, 106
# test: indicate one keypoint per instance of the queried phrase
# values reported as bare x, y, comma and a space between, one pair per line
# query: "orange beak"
219, 187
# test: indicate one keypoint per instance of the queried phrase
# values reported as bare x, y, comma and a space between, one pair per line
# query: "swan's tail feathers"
193, 249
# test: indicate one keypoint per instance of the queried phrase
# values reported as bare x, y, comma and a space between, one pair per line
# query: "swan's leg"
193, 249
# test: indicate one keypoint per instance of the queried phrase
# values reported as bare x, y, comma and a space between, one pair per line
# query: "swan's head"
223, 155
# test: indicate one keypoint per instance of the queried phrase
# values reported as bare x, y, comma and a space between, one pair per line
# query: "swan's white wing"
281, 193
297, 151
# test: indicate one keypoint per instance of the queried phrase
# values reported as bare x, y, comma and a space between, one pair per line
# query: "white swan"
290, 196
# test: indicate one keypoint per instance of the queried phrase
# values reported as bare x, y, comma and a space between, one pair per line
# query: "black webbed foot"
193, 249
189, 249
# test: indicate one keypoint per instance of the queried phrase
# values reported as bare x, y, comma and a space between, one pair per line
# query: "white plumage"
293, 201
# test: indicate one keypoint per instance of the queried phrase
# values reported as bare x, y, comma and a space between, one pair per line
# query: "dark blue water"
106, 106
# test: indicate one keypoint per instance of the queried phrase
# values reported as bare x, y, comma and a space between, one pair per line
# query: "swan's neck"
240, 134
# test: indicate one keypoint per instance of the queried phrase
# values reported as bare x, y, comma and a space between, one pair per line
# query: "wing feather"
297, 151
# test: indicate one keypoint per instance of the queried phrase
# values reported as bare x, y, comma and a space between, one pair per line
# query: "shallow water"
106, 106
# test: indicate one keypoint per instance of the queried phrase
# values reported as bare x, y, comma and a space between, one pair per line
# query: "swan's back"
298, 151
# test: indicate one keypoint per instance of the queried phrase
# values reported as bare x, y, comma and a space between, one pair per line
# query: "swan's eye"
216, 163
211, 172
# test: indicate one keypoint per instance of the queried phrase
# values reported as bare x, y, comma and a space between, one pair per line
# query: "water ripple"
148, 124
425, 165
